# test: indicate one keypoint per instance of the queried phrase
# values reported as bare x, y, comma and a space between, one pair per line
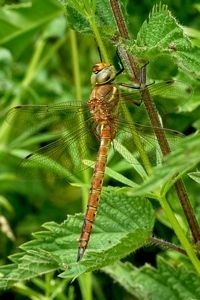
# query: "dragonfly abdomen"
95, 190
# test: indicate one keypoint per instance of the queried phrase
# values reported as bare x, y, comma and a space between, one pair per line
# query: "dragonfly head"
102, 73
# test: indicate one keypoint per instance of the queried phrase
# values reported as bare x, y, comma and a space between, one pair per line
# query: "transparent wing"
64, 134
35, 117
173, 90
133, 140
63, 130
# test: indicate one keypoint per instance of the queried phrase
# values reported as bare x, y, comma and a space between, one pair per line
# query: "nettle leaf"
123, 224
165, 282
160, 30
19, 23
162, 34
80, 15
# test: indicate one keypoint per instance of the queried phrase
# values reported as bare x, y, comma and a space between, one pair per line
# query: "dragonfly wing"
63, 131
173, 90
33, 118
60, 157
134, 136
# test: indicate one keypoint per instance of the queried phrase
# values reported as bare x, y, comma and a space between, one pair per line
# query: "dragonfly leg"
143, 75
143, 79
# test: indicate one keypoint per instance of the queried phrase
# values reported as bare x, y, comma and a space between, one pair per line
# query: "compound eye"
103, 75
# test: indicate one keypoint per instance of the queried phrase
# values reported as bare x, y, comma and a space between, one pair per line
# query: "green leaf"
162, 34
160, 30
19, 23
123, 225
80, 14
4, 202
130, 158
165, 282
195, 176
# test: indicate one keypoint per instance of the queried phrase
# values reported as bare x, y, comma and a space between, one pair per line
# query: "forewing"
33, 118
67, 132
137, 138
169, 94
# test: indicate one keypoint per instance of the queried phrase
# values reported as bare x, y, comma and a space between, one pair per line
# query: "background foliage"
40, 65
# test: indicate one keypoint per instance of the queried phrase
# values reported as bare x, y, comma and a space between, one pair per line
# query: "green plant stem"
50, 53
99, 41
24, 290
165, 245
37, 64
180, 234
90, 7
32, 69
75, 64
85, 280
78, 95
29, 75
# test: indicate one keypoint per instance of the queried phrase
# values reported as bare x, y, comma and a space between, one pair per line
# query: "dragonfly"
102, 121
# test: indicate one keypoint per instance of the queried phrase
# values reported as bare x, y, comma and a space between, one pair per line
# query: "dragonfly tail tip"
80, 254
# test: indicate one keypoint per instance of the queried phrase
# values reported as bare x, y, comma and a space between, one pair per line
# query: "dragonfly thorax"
103, 106
102, 73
